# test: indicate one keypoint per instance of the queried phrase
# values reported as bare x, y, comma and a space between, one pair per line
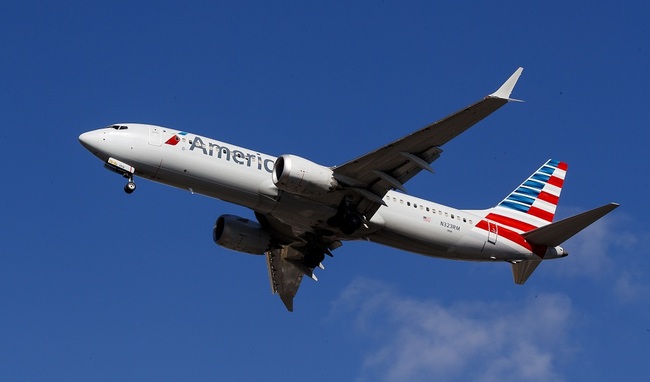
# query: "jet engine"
299, 176
240, 234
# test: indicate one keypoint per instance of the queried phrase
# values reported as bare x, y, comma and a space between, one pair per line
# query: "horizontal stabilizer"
557, 233
522, 270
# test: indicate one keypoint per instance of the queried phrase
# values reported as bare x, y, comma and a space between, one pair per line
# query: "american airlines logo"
173, 141
222, 151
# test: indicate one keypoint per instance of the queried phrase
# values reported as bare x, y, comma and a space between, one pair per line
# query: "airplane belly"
416, 233
301, 212
430, 234
410, 244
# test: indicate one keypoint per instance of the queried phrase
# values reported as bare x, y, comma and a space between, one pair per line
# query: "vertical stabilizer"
533, 203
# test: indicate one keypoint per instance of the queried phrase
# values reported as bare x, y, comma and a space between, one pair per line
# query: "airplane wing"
285, 273
372, 175
366, 180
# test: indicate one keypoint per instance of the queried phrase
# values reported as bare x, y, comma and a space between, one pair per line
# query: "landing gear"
350, 222
123, 169
347, 219
129, 187
313, 259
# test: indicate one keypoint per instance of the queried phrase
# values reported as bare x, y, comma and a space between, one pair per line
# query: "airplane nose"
91, 140
84, 139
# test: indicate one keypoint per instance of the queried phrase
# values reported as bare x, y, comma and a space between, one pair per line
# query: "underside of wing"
287, 265
284, 276
372, 175
353, 196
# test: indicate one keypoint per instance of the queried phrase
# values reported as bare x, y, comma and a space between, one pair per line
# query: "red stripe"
555, 181
545, 196
506, 233
173, 140
541, 214
510, 222
515, 238
563, 166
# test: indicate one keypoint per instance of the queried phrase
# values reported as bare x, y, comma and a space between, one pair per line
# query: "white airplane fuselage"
244, 177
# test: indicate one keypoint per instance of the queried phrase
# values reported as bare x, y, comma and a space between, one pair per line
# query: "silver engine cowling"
299, 176
240, 234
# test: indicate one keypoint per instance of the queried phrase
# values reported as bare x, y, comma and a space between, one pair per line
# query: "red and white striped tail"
533, 203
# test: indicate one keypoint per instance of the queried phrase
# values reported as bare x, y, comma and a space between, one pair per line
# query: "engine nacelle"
239, 234
299, 176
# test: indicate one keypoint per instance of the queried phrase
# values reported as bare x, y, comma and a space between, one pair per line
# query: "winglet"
505, 89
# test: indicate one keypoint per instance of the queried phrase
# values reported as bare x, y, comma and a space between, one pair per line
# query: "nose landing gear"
130, 186
123, 169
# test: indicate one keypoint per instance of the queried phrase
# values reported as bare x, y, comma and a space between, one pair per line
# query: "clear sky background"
103, 286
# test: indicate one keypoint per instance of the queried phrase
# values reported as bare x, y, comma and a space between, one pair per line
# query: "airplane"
304, 210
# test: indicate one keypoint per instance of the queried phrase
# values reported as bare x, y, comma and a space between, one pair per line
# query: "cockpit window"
119, 127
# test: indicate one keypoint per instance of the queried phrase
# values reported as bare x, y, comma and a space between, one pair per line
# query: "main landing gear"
347, 219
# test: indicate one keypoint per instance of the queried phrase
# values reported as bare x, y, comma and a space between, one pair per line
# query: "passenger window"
452, 216
408, 204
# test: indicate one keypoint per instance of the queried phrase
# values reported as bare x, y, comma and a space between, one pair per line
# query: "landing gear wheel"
351, 222
129, 187
313, 259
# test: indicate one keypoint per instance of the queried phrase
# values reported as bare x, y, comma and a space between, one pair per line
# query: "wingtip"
506, 89
288, 302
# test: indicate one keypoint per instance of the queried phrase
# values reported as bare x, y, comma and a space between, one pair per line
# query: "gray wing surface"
284, 274
364, 182
389, 167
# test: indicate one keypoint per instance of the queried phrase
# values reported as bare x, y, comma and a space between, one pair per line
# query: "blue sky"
98, 285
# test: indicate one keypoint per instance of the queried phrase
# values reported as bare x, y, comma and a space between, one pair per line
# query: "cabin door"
493, 233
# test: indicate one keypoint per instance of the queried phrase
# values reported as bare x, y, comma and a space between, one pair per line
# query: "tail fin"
526, 216
530, 206
533, 203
